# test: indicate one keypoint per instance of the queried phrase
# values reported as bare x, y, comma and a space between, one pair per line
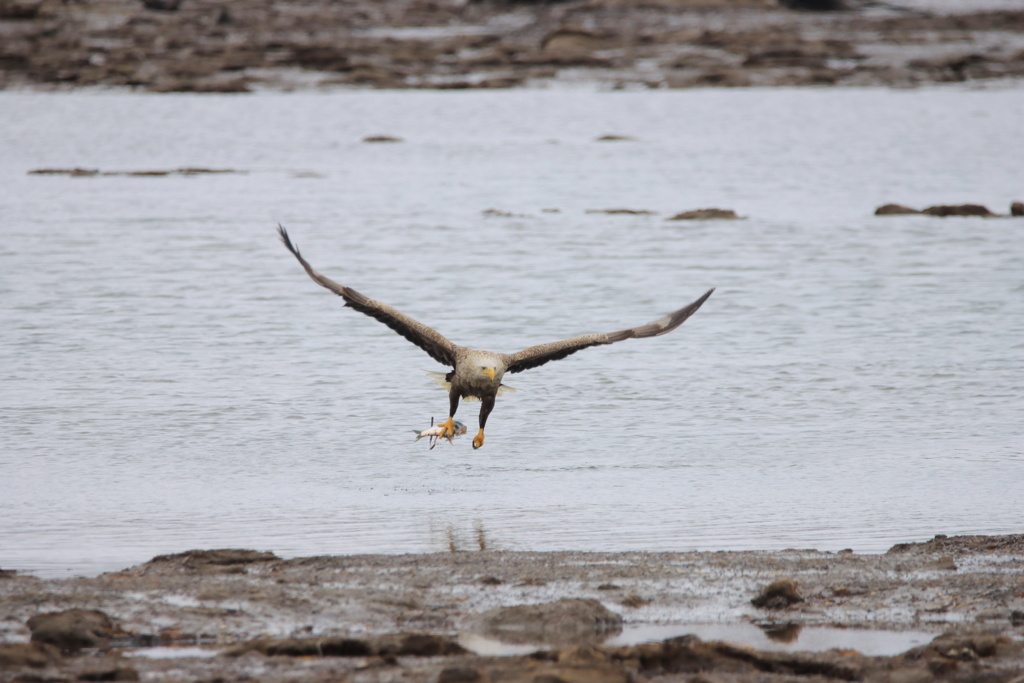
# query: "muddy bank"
234, 614
207, 46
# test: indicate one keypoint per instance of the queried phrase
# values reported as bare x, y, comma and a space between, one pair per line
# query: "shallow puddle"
785, 637
164, 652
780, 638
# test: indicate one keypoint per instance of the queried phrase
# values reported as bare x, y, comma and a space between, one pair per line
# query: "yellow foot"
478, 440
447, 429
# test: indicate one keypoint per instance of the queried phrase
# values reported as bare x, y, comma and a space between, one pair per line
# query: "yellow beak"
490, 373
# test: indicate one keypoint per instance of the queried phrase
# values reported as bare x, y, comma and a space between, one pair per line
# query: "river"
171, 379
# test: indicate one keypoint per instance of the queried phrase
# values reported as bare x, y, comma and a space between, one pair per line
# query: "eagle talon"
478, 440
447, 429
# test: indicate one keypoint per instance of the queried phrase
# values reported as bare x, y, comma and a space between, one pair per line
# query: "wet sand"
236, 614
207, 46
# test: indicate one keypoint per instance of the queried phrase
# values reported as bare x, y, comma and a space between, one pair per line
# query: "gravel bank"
208, 46
236, 614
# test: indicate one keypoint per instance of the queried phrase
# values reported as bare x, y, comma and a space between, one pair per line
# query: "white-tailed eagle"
476, 373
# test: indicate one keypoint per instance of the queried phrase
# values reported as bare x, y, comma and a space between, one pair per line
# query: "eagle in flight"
475, 373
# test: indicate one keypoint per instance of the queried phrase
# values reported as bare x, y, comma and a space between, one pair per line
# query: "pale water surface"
171, 379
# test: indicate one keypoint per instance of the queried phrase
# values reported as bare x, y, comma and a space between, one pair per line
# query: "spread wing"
543, 353
427, 338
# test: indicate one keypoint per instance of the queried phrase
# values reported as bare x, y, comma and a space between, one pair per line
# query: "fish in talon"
436, 431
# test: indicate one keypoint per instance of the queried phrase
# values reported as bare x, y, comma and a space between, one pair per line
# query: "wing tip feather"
287, 241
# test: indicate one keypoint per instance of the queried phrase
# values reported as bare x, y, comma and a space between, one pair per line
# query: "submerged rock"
705, 214
944, 210
894, 210
303, 647
623, 212
815, 5
74, 172
384, 646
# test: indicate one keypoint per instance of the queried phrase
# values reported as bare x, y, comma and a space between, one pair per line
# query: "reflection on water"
172, 380
787, 638
172, 652
781, 633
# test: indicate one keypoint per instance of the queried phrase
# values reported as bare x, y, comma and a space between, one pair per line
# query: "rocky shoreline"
239, 614
207, 46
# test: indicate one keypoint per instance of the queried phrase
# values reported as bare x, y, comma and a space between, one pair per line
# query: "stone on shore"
565, 621
34, 655
73, 629
219, 561
779, 594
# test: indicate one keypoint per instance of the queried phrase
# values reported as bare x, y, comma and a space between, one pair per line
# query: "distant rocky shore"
230, 615
209, 46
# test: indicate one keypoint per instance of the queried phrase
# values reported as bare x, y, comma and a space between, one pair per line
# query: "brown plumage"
476, 373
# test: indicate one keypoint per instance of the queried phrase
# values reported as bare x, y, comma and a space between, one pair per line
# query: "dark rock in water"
779, 594
200, 170
565, 621
461, 674
19, 9
35, 655
74, 172
615, 138
815, 5
117, 673
501, 213
623, 212
220, 561
73, 629
416, 645
162, 5
705, 214
386, 646
689, 654
1017, 209
944, 210
381, 138
894, 210
782, 633
304, 647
